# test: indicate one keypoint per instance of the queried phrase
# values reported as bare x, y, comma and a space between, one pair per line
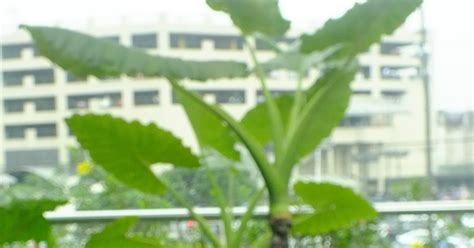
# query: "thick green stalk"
225, 214
246, 218
295, 134
199, 219
274, 114
295, 110
277, 190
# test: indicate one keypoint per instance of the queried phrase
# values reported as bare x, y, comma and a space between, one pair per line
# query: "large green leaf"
127, 150
22, 220
327, 102
254, 15
335, 207
211, 131
116, 235
257, 120
361, 26
293, 60
330, 95
85, 55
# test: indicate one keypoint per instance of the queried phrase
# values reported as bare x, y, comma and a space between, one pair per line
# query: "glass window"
15, 132
106, 100
146, 97
13, 105
39, 157
13, 78
227, 42
392, 48
394, 95
274, 93
145, 40
230, 96
361, 92
45, 104
45, 130
366, 120
42, 130
182, 40
12, 51
355, 121
220, 96
391, 72
365, 70
71, 78
399, 72
43, 76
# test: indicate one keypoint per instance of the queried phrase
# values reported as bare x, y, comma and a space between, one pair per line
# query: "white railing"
385, 208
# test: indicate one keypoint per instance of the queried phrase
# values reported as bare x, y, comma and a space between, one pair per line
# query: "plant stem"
280, 232
219, 197
274, 113
295, 134
199, 219
295, 109
246, 218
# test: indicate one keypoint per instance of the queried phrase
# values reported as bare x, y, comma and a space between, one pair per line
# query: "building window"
13, 78
225, 42
146, 98
355, 121
104, 101
182, 40
14, 132
392, 48
42, 130
144, 41
228, 96
13, 51
13, 106
361, 92
219, 96
366, 120
194, 41
71, 78
391, 72
393, 95
45, 130
41, 76
399, 72
41, 104
39, 157
274, 93
365, 70
45, 104
44, 76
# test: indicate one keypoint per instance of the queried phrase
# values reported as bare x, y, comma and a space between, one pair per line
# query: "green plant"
294, 124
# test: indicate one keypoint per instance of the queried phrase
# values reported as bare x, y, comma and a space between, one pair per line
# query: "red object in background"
190, 224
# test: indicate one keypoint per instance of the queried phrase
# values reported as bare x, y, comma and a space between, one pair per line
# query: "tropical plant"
293, 124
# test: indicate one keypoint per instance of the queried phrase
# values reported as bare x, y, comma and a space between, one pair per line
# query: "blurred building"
454, 154
370, 148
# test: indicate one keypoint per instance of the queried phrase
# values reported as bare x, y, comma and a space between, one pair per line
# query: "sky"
451, 37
